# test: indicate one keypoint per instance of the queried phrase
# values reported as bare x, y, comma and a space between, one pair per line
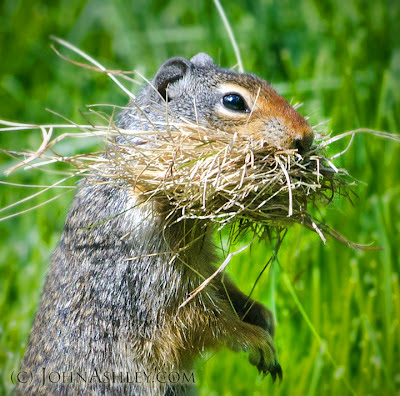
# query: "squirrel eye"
235, 102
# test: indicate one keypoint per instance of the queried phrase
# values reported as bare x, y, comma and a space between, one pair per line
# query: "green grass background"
337, 309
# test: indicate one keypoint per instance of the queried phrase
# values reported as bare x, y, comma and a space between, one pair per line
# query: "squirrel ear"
171, 71
202, 60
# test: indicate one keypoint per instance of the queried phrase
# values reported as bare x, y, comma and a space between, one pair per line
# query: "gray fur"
113, 288
202, 60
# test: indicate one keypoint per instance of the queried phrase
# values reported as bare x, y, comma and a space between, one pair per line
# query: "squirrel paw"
266, 361
260, 316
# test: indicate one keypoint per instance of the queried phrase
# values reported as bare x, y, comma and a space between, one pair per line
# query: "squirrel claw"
276, 370
257, 359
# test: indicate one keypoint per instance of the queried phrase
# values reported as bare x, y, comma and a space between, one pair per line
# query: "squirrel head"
202, 92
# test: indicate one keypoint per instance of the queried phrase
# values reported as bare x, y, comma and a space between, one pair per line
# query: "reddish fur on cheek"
270, 106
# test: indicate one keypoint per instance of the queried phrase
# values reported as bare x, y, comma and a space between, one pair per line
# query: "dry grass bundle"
204, 173
222, 178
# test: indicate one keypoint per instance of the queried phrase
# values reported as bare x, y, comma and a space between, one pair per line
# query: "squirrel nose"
303, 141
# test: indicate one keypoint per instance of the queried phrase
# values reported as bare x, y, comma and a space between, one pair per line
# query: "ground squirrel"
109, 314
